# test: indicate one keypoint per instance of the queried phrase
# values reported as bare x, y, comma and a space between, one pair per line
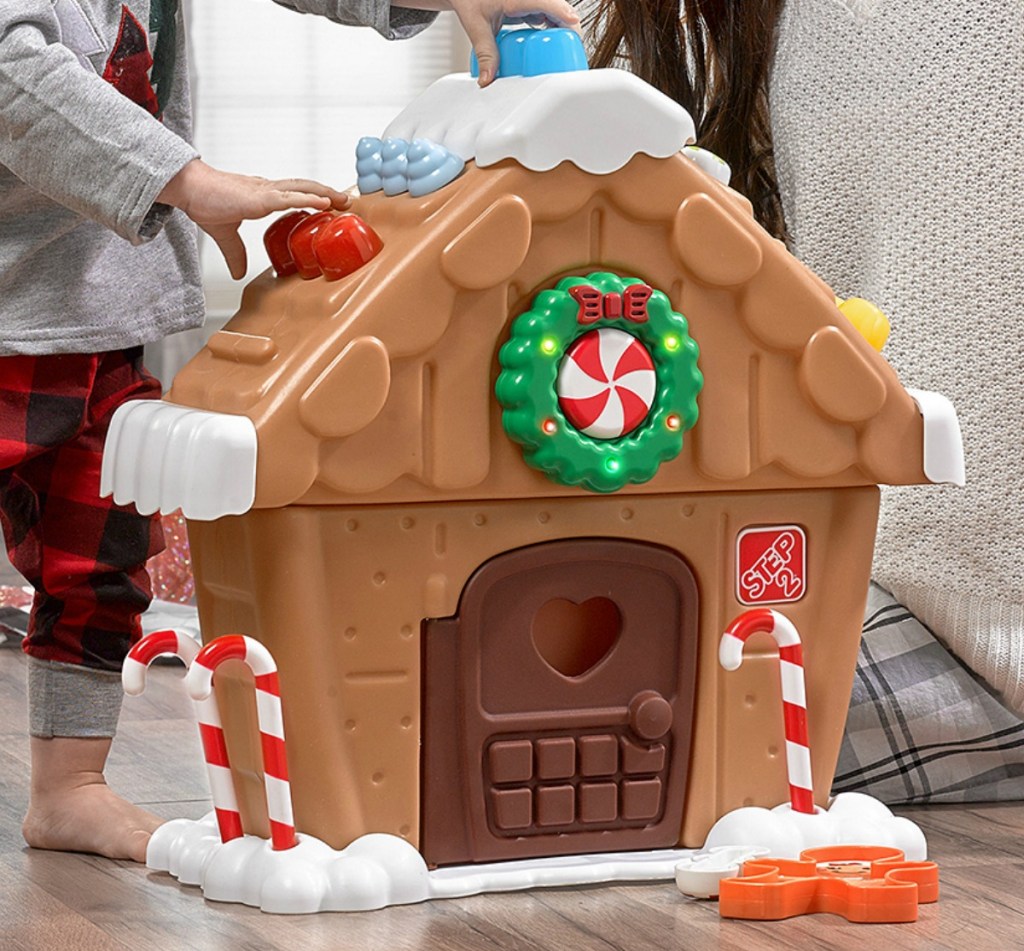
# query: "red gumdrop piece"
275, 240
300, 244
344, 245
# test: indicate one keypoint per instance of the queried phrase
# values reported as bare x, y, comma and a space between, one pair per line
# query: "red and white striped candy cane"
268, 715
794, 696
133, 673
133, 677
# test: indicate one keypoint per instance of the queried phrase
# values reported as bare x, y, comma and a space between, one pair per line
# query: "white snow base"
379, 870
851, 819
782, 833
375, 871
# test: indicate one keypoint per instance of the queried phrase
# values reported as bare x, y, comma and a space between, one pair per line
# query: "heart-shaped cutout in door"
572, 638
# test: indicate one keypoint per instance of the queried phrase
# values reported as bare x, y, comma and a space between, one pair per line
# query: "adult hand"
481, 19
220, 201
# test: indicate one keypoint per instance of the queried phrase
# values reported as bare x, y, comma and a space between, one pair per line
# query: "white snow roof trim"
943, 443
162, 457
597, 119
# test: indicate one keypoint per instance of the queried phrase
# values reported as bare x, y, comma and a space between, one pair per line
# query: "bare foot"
71, 808
89, 818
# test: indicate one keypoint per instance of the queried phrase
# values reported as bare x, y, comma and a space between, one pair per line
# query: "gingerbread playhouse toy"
490, 462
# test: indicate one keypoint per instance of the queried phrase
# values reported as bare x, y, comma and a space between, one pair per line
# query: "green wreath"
527, 385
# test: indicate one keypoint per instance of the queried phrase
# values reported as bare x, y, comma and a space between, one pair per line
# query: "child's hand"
481, 19
220, 201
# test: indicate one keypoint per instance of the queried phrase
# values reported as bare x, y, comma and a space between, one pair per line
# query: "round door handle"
650, 715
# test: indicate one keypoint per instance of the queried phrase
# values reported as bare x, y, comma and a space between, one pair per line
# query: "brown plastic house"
479, 658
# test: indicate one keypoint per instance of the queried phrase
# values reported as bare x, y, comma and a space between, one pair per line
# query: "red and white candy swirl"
606, 384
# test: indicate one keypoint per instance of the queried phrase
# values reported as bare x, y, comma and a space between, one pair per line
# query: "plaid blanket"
922, 727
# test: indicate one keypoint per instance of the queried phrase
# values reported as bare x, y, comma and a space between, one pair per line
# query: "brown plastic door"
558, 704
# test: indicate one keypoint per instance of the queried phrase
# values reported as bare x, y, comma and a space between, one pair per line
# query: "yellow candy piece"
867, 318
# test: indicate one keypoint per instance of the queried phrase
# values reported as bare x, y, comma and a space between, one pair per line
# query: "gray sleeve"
70, 135
390, 22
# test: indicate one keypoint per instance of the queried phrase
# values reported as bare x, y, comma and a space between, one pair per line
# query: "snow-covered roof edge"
943, 443
162, 457
597, 119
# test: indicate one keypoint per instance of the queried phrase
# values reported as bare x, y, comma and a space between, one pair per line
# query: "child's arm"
72, 136
219, 201
386, 18
481, 19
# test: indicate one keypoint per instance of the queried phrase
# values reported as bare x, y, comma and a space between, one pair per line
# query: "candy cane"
268, 715
794, 697
133, 673
133, 677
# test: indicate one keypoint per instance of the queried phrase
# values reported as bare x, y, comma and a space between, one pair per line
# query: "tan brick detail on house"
337, 593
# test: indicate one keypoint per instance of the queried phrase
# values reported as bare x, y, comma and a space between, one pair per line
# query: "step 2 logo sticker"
771, 564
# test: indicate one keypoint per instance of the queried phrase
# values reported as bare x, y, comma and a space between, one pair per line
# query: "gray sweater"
90, 132
898, 129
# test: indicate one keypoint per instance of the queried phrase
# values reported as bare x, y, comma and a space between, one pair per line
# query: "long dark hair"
714, 58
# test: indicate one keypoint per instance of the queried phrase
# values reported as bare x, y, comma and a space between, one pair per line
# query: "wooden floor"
64, 901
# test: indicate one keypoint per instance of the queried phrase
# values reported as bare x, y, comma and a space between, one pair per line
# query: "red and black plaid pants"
84, 556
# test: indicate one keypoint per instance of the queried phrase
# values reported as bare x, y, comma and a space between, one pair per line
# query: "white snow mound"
851, 819
375, 871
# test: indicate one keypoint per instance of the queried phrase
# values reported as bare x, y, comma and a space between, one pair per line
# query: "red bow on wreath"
594, 305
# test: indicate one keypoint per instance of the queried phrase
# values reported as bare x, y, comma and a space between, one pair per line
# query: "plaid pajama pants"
84, 556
